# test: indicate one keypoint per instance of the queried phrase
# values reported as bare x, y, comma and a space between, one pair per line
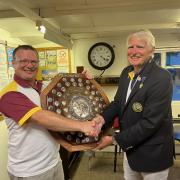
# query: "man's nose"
134, 50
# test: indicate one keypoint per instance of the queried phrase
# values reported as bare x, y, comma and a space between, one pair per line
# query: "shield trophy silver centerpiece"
76, 97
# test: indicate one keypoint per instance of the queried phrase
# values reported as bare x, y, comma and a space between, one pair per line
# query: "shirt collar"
24, 83
132, 75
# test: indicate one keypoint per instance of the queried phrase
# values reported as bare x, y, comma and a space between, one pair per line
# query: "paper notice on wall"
63, 69
10, 55
41, 54
3, 71
3, 76
42, 58
10, 72
3, 55
51, 62
3, 83
62, 57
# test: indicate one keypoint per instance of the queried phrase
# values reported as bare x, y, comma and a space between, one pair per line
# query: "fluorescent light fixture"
52, 34
58, 39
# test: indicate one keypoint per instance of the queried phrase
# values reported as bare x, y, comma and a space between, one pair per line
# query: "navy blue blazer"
146, 128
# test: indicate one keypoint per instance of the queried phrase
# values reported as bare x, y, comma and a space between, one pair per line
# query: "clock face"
101, 56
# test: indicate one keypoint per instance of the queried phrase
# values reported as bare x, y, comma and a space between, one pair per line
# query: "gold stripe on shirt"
28, 115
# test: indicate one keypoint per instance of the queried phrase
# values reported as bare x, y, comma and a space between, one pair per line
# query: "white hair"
145, 34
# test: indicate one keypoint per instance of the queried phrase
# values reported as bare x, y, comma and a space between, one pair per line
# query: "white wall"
3, 151
80, 54
3, 130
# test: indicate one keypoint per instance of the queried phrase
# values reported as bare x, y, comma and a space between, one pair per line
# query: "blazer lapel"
124, 92
134, 90
140, 81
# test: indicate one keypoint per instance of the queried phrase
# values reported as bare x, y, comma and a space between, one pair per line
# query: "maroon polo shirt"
14, 104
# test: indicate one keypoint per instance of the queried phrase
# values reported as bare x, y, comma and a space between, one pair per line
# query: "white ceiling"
67, 20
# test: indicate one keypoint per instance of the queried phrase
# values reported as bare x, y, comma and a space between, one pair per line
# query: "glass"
157, 58
173, 59
25, 62
175, 72
173, 66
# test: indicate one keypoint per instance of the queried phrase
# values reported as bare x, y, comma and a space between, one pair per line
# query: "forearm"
55, 122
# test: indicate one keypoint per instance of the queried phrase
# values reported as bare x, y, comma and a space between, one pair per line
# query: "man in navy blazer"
143, 105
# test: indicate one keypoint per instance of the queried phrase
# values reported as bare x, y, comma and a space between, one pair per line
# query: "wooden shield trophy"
76, 97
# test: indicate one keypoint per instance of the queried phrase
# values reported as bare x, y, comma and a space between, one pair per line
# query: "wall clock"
101, 56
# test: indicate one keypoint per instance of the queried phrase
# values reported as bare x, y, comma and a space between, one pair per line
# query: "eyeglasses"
25, 62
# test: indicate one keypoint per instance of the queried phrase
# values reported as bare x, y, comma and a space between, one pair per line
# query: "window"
173, 66
173, 59
157, 58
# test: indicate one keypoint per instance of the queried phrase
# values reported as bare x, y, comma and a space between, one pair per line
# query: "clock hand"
104, 58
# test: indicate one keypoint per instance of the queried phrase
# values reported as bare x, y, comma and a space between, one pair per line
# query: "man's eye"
24, 61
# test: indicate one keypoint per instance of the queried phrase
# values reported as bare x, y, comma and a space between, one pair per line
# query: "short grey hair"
145, 34
24, 47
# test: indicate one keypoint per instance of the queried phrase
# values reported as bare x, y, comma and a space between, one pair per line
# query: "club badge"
137, 107
139, 78
142, 82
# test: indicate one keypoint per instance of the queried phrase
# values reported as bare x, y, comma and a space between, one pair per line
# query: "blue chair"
177, 136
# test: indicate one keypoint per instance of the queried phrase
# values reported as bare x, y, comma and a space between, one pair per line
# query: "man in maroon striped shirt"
32, 151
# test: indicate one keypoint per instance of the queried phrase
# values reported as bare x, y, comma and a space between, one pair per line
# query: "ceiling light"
40, 27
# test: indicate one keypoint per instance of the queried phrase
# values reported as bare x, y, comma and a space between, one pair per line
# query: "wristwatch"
114, 142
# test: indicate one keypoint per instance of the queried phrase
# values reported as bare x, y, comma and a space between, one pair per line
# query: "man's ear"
153, 49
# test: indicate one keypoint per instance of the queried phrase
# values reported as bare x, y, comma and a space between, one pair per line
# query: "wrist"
102, 120
81, 126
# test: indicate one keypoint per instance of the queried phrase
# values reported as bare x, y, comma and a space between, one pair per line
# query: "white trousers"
129, 174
